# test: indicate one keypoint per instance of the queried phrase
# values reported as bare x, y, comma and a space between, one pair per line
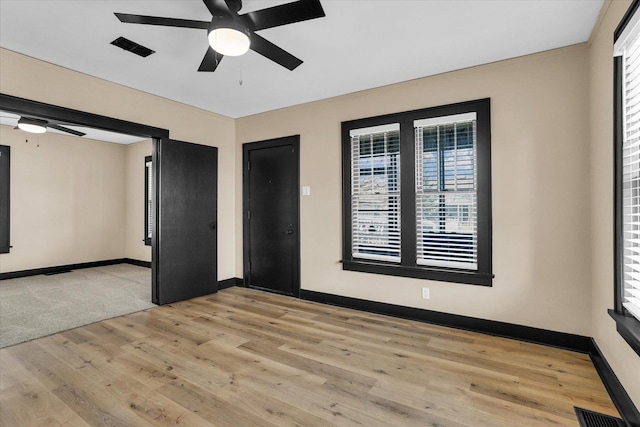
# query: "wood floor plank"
28, 402
209, 405
332, 373
248, 358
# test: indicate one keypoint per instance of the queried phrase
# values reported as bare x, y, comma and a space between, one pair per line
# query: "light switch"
306, 190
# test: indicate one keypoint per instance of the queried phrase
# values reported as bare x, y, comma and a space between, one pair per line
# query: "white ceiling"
360, 44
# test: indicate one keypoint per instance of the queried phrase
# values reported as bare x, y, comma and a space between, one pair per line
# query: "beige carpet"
36, 306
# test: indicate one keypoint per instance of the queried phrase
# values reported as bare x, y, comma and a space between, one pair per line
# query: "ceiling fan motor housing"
228, 37
32, 125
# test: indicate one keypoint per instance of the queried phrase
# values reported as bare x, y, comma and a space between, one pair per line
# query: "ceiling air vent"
133, 47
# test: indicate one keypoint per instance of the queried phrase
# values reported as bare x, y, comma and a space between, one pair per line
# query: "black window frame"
408, 266
627, 326
147, 213
5, 212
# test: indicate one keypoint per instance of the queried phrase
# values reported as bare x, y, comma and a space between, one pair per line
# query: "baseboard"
137, 262
59, 268
618, 394
229, 283
507, 330
63, 268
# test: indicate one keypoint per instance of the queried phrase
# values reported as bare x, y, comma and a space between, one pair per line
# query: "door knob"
288, 232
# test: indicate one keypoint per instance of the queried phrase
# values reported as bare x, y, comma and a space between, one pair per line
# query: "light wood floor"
247, 358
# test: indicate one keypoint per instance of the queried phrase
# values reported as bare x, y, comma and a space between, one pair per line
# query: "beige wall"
540, 162
74, 200
624, 361
40, 81
67, 203
135, 207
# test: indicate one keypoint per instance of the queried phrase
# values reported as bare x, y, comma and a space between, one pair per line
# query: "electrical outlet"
425, 293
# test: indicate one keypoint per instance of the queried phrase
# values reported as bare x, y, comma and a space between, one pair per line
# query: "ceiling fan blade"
156, 20
217, 7
210, 61
67, 130
269, 50
301, 10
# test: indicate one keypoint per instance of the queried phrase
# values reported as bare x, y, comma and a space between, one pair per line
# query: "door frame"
293, 140
27, 107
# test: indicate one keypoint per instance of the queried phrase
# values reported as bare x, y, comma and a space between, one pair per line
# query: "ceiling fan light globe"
32, 126
228, 38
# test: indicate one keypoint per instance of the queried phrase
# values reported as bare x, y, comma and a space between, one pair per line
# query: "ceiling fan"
35, 125
232, 34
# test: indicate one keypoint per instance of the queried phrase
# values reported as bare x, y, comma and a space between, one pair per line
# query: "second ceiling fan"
239, 30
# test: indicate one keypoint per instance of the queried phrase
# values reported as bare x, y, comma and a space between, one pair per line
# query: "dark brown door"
185, 241
271, 215
5, 151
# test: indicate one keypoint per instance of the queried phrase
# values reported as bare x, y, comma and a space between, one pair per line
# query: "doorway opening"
69, 118
184, 229
69, 216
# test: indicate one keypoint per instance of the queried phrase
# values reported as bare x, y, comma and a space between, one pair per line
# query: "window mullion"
407, 189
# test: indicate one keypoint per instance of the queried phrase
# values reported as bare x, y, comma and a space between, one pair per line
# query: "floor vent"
595, 419
132, 47
53, 273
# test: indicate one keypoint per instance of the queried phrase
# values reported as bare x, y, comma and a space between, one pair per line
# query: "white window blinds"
375, 193
630, 50
149, 167
446, 192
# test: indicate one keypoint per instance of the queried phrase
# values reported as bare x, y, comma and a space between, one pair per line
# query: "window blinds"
375, 193
446, 191
631, 173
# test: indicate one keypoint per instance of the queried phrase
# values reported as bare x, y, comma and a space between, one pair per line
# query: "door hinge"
248, 165
248, 214
249, 265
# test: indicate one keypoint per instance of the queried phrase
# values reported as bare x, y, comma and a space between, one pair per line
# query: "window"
4, 199
148, 198
627, 178
375, 197
446, 208
417, 194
